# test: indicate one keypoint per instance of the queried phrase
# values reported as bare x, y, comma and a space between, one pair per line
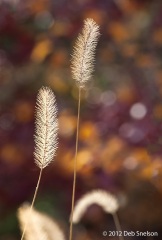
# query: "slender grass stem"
33, 201
117, 224
75, 169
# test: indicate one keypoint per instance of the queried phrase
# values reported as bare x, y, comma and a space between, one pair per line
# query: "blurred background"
120, 139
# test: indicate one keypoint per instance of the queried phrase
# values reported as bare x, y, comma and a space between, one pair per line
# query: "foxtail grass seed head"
46, 131
106, 200
84, 52
40, 226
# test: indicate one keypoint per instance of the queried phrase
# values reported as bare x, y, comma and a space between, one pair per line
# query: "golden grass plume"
40, 226
84, 52
106, 200
46, 127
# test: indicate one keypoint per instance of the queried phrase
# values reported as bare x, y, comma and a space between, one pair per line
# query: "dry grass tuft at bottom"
40, 225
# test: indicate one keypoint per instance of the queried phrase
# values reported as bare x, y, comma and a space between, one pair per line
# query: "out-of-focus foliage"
120, 136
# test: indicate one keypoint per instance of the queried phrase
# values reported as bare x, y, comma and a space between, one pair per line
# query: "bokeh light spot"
108, 98
131, 132
44, 20
130, 163
138, 111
